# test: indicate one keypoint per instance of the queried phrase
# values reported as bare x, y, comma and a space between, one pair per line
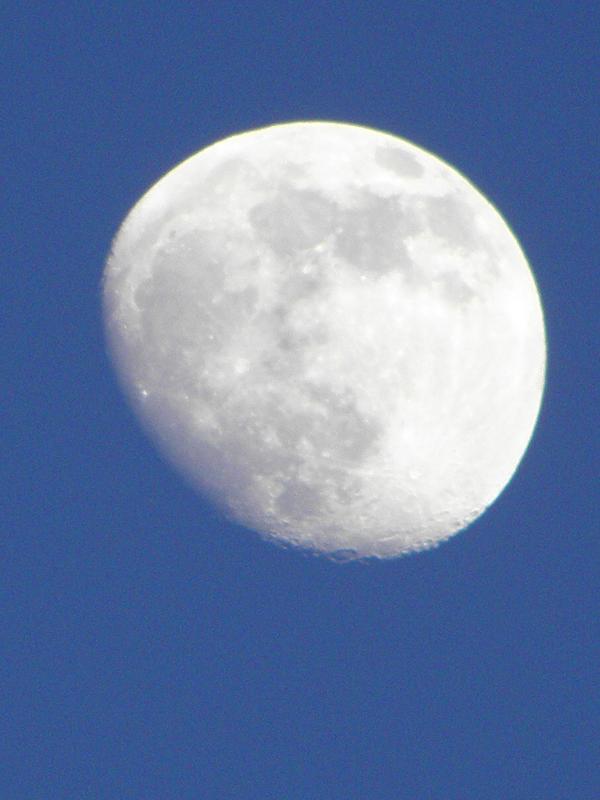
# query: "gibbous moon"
331, 333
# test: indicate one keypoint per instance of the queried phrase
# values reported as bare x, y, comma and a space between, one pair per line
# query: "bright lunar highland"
331, 333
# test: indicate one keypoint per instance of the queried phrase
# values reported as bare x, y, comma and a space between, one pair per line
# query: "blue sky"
148, 649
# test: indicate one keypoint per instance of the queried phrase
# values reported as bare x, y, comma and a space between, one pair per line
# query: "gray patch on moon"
455, 289
185, 311
343, 433
292, 220
399, 161
300, 500
302, 285
372, 236
452, 220
305, 455
289, 344
227, 177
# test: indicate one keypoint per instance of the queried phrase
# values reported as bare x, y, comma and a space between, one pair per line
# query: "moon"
331, 333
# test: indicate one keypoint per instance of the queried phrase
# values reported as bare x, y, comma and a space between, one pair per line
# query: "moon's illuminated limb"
332, 333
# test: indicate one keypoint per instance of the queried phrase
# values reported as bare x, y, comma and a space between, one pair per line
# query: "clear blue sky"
151, 651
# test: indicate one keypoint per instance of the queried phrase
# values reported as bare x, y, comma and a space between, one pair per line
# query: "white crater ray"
331, 333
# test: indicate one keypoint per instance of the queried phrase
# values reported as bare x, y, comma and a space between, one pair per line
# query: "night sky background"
151, 650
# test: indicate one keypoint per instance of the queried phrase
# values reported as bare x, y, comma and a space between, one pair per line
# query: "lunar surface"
331, 333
